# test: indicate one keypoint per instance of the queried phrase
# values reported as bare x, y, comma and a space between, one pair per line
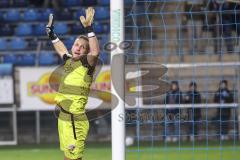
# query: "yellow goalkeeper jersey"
76, 79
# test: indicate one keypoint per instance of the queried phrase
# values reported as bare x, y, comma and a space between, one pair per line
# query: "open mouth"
77, 53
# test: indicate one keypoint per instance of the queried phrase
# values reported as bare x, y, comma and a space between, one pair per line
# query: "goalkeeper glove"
87, 22
50, 30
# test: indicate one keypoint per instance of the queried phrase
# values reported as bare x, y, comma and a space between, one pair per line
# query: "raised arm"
57, 43
93, 42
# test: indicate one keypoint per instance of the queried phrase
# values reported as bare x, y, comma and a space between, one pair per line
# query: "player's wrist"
89, 29
51, 35
55, 40
90, 32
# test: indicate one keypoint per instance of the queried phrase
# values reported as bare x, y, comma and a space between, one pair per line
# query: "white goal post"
118, 76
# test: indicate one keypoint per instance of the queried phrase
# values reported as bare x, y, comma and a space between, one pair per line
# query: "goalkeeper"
74, 86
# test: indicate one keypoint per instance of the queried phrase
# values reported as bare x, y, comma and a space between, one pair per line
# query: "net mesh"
197, 40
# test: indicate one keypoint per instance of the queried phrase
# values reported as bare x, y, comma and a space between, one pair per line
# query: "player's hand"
86, 22
50, 28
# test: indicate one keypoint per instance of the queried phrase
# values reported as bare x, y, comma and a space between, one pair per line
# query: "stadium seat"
4, 3
47, 45
39, 29
17, 44
24, 30
104, 40
69, 42
46, 58
98, 28
17, 59
30, 15
77, 29
61, 28
64, 15
128, 2
3, 44
12, 15
105, 57
106, 28
89, 2
79, 13
1, 16
102, 13
71, 3
6, 30
44, 14
33, 44
6, 69
20, 3
10, 58
26, 60
103, 2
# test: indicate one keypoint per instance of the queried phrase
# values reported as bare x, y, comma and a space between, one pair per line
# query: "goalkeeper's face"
79, 48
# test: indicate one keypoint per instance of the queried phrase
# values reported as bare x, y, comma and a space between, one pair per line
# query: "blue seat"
10, 58
79, 13
69, 42
32, 44
30, 15
128, 2
98, 27
6, 30
13, 59
106, 28
61, 28
17, 44
102, 13
105, 57
39, 29
2, 16
12, 15
77, 29
104, 40
20, 3
104, 2
4, 3
47, 46
6, 69
64, 15
89, 2
44, 14
70, 3
3, 44
26, 60
46, 58
24, 30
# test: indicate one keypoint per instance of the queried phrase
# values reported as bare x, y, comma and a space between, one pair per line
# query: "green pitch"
103, 152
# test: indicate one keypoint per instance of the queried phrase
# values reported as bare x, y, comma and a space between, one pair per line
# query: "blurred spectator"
193, 97
174, 96
222, 96
222, 17
236, 22
194, 20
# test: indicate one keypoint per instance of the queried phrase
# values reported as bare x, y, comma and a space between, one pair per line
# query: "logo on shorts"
71, 147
